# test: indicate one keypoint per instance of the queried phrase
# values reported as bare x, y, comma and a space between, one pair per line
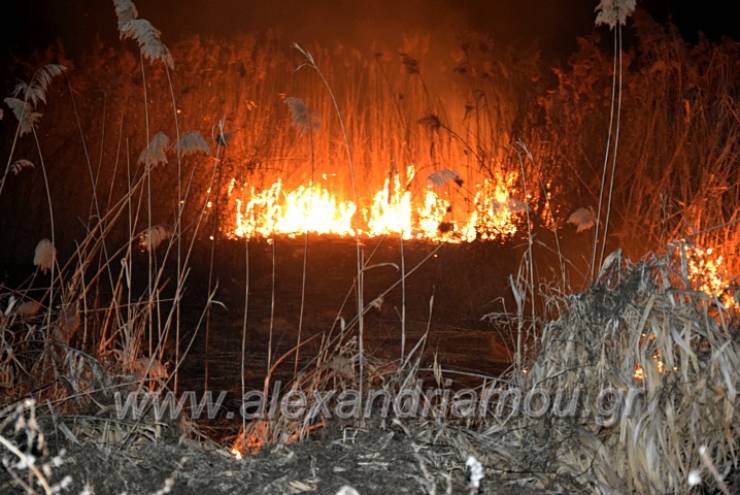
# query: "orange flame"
707, 274
308, 208
394, 209
639, 373
257, 434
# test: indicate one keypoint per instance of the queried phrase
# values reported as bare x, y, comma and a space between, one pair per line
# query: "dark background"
552, 25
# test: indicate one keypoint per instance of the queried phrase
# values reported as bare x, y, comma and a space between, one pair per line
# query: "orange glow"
489, 211
707, 274
639, 373
307, 208
391, 210
258, 433
251, 440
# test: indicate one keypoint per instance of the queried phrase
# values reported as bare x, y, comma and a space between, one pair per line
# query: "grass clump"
644, 338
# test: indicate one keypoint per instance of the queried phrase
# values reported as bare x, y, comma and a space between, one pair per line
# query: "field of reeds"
124, 269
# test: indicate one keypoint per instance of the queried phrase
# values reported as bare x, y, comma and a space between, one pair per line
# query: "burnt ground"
372, 460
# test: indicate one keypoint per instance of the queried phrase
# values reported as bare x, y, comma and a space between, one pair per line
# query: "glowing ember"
639, 373
395, 209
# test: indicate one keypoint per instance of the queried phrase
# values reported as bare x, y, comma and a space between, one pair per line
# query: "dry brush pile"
669, 354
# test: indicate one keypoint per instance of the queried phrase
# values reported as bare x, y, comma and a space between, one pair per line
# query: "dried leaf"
191, 143
147, 37
437, 370
34, 91
442, 177
156, 151
44, 255
377, 303
582, 218
18, 166
347, 490
151, 238
28, 309
431, 122
613, 12
614, 258
23, 111
301, 116
125, 12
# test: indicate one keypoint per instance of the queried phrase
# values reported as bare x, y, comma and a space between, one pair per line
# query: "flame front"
394, 209
308, 208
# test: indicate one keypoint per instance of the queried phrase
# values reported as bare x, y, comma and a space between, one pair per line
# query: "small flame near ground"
257, 435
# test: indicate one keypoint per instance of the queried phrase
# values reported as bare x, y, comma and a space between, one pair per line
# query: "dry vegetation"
114, 150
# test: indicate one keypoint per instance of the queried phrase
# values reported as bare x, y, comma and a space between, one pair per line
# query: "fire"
489, 212
391, 210
257, 435
308, 208
639, 373
495, 210
707, 274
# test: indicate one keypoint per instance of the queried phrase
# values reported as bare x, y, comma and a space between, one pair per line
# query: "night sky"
552, 25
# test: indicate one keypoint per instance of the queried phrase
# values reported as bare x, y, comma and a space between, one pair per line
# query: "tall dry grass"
92, 326
678, 176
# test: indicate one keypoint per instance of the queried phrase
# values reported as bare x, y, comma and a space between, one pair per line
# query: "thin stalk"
178, 219
305, 264
529, 254
131, 231
92, 175
10, 157
272, 308
358, 245
592, 269
213, 239
616, 146
244, 327
51, 225
403, 302
150, 260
